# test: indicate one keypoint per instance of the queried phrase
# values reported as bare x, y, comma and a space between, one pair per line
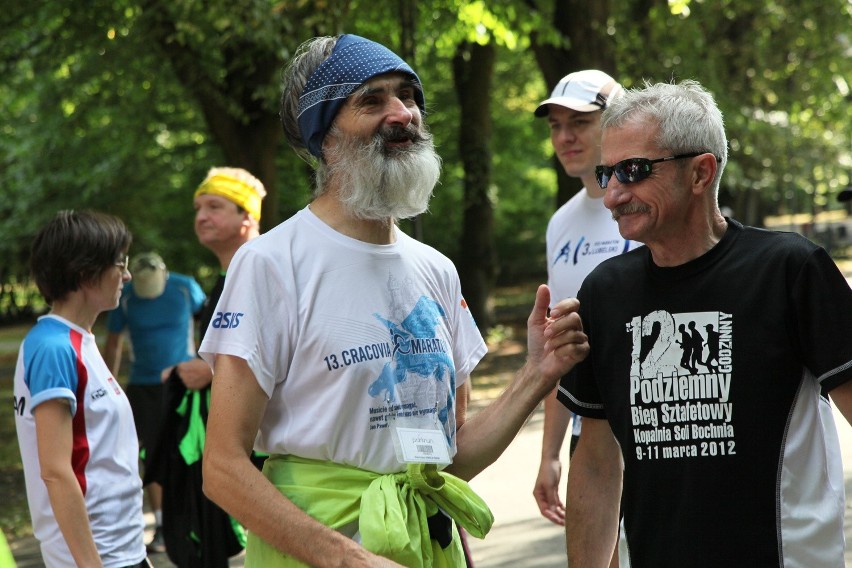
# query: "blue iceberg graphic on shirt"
417, 352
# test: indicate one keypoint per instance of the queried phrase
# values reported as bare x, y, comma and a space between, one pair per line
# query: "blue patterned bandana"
353, 61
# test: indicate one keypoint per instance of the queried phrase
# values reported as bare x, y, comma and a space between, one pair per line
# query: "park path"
521, 537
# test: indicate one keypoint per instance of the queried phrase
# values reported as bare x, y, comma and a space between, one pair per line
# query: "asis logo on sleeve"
226, 320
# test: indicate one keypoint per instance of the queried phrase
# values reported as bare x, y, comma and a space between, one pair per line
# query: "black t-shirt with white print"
710, 375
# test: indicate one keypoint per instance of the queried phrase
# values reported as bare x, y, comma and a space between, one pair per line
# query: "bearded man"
350, 347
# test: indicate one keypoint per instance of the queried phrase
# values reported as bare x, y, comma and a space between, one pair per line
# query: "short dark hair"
75, 248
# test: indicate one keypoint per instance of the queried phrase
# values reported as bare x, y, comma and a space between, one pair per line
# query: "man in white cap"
580, 235
156, 310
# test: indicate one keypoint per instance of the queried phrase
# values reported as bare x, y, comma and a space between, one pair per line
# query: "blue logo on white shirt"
226, 320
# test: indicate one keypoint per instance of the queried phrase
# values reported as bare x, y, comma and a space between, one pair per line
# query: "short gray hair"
687, 115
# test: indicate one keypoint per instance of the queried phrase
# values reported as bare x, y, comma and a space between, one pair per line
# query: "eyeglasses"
633, 170
123, 263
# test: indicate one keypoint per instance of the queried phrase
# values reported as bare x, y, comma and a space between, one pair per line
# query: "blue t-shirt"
161, 329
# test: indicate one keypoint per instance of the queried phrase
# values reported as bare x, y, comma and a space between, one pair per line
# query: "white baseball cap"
583, 91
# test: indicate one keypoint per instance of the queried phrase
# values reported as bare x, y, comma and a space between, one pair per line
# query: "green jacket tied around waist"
391, 510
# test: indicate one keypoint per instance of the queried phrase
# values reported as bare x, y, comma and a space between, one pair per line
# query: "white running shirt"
345, 337
60, 360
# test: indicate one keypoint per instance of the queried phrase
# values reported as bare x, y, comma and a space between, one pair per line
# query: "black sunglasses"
633, 170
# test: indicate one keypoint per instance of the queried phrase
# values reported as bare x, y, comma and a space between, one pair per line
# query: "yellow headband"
234, 190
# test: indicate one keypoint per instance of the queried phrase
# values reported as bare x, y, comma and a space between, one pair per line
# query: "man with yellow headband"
198, 533
348, 346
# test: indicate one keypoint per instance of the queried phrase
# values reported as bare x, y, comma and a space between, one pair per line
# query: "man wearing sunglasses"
734, 462
580, 235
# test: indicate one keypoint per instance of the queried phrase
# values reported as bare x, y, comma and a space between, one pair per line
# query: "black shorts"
148, 408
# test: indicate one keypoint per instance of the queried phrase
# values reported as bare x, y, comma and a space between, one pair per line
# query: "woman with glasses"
74, 423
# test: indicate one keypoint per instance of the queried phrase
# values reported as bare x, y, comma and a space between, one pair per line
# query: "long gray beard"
379, 184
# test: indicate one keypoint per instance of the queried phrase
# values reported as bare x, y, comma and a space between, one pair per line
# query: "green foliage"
780, 73
114, 105
74, 138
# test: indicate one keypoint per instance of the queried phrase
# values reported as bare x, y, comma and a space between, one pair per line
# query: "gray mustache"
629, 208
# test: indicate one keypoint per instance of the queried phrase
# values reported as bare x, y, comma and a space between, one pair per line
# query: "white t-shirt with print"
346, 338
59, 360
580, 235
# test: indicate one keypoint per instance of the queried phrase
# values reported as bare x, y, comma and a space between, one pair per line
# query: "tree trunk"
252, 146
407, 10
473, 68
248, 133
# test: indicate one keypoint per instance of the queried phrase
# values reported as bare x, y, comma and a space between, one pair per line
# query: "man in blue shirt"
156, 309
